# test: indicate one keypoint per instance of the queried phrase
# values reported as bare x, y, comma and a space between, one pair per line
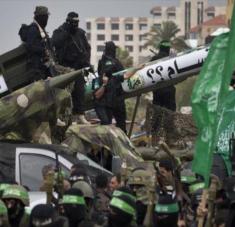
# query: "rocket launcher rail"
160, 73
35, 98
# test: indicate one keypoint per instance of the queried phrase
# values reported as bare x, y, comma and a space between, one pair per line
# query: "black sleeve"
59, 37
100, 67
87, 47
119, 78
34, 42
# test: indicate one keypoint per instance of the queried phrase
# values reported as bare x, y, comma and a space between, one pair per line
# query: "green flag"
225, 129
208, 100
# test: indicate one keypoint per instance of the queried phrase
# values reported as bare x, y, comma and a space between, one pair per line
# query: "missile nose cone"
63, 80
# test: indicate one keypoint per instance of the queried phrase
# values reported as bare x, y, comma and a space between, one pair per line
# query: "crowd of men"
68, 47
144, 198
97, 202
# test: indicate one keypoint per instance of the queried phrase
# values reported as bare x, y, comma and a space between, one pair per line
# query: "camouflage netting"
176, 129
84, 137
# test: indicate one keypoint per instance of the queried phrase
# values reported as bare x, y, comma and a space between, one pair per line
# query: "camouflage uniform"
101, 203
140, 182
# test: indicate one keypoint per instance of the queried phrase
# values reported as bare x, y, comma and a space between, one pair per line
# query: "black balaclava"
72, 21
123, 209
164, 48
110, 49
44, 215
16, 209
74, 206
16, 212
41, 20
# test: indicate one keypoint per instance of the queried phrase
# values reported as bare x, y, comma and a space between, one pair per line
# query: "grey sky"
15, 12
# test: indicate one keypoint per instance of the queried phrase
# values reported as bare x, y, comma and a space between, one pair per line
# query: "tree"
124, 57
168, 31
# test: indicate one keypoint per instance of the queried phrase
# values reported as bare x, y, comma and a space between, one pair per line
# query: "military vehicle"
16, 77
23, 163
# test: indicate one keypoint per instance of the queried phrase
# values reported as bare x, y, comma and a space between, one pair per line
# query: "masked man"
73, 50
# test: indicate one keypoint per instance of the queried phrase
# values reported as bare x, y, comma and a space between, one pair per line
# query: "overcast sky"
15, 12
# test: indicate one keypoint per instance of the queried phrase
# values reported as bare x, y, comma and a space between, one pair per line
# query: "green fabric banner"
209, 101
225, 128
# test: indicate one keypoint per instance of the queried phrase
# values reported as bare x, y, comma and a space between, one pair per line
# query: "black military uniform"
164, 97
73, 50
38, 44
110, 105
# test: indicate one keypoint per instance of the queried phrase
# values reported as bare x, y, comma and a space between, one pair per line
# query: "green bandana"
167, 208
116, 202
3, 186
14, 193
117, 193
165, 44
73, 199
188, 179
196, 187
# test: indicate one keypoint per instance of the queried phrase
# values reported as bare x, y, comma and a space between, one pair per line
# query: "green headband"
73, 199
196, 187
188, 179
117, 193
120, 204
165, 44
13, 192
4, 186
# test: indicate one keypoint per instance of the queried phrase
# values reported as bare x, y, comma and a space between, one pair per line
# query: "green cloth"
72, 199
122, 205
167, 208
188, 179
225, 129
117, 193
193, 188
208, 101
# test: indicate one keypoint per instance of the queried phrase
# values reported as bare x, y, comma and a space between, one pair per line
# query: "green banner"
225, 129
209, 99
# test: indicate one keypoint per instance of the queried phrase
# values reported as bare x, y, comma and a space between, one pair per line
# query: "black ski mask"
110, 49
72, 21
42, 20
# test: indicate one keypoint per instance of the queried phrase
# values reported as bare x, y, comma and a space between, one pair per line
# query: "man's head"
115, 182
74, 205
122, 210
41, 15
166, 169
110, 49
101, 181
87, 192
164, 47
43, 215
47, 169
72, 20
15, 198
